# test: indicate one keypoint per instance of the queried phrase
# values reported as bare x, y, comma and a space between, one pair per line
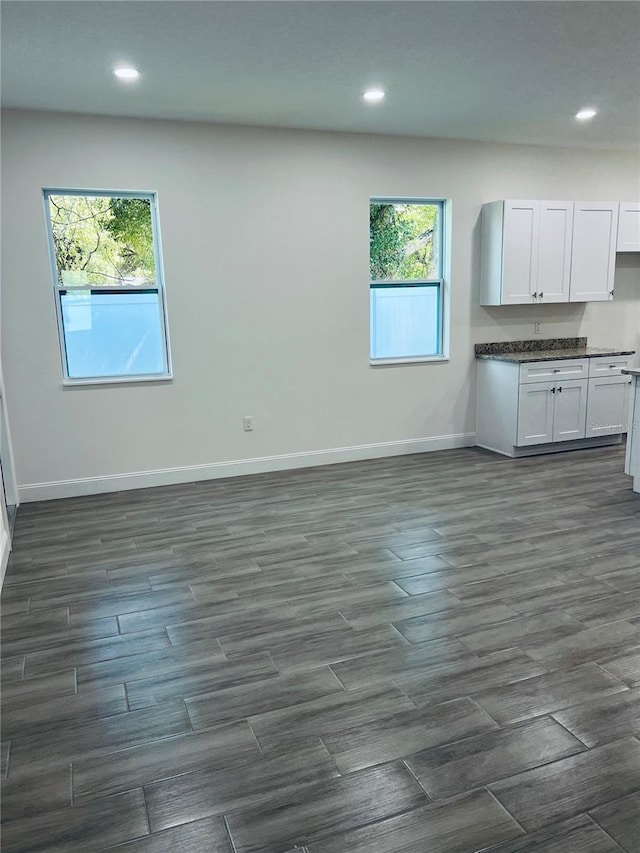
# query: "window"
107, 277
406, 279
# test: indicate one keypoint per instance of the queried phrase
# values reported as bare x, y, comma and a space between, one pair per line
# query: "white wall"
265, 238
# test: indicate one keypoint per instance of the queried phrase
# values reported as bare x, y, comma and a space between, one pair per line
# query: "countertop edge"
551, 355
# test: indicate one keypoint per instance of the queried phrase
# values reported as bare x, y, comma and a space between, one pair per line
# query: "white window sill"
116, 380
427, 359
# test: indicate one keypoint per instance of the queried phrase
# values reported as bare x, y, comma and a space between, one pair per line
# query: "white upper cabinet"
526, 252
593, 254
629, 227
554, 251
519, 251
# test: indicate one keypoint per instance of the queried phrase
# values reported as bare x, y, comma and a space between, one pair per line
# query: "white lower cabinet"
608, 405
535, 413
570, 410
550, 402
551, 411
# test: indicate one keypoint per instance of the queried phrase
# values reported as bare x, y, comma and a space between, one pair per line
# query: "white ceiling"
508, 71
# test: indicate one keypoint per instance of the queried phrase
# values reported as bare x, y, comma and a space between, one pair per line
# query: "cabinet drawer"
603, 366
544, 371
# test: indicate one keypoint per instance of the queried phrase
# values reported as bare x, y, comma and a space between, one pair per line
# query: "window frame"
440, 283
59, 290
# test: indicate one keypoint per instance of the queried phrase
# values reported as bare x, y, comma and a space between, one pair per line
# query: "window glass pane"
404, 241
112, 334
404, 321
102, 241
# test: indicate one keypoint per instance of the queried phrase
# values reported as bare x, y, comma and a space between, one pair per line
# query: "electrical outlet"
247, 423
537, 329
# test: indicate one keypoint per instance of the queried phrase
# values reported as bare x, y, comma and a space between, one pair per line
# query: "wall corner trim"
5, 548
30, 492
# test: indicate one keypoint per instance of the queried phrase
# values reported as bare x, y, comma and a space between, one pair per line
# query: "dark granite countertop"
631, 372
549, 349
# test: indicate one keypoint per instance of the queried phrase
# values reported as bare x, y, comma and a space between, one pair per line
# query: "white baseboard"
235, 468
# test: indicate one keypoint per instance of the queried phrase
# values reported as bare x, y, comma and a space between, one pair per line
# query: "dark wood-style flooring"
426, 654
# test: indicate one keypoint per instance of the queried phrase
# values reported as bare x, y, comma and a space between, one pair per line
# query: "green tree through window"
102, 240
403, 241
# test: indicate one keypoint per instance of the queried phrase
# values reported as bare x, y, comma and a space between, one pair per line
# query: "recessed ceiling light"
586, 114
373, 95
126, 72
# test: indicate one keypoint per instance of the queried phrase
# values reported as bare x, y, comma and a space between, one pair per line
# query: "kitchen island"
632, 460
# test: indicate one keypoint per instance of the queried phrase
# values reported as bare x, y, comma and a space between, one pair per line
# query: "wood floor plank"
457, 621
621, 819
167, 659
603, 719
30, 793
261, 696
594, 644
218, 791
626, 668
367, 614
467, 676
25, 692
445, 771
328, 715
404, 733
392, 664
263, 638
312, 650
86, 828
79, 739
466, 824
330, 806
197, 678
199, 836
577, 835
524, 632
90, 651
5, 747
546, 693
573, 785
100, 776
25, 720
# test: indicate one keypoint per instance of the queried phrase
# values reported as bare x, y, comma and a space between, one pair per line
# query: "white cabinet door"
554, 251
535, 413
519, 252
593, 253
608, 405
570, 410
629, 227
